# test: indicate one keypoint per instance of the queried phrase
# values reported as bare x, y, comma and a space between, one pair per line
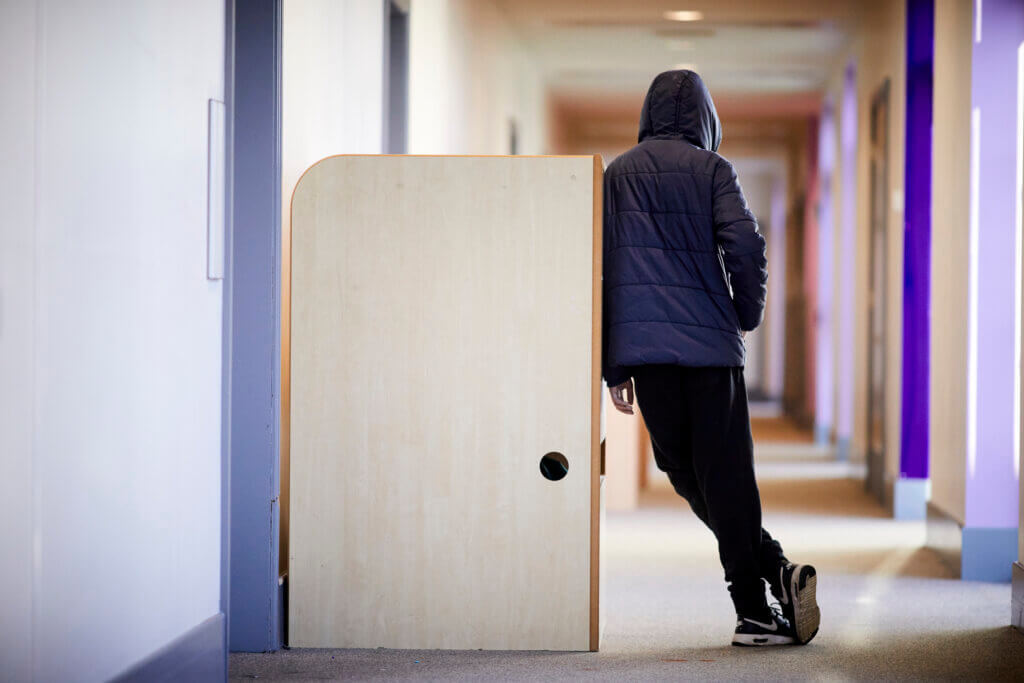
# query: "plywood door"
445, 322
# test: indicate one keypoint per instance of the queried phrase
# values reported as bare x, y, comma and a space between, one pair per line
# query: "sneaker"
755, 632
796, 590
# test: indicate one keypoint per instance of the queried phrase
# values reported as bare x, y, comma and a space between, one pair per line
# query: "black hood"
679, 106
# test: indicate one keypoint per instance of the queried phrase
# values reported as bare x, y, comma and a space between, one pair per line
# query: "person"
684, 280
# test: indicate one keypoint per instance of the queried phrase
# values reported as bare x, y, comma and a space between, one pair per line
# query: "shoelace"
776, 609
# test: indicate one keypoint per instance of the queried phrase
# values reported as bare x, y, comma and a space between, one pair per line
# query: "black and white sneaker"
796, 591
754, 632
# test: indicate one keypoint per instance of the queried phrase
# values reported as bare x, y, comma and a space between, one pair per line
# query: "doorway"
875, 481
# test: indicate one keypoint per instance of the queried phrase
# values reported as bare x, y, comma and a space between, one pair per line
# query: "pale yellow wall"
950, 237
469, 73
880, 47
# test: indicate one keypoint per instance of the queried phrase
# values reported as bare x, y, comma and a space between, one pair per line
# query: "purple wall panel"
917, 239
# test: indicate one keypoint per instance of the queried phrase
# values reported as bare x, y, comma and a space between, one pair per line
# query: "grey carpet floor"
890, 609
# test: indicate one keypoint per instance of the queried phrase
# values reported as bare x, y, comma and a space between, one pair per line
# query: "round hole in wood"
554, 466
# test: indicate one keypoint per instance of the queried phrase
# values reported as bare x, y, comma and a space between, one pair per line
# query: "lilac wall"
917, 239
824, 395
992, 489
847, 254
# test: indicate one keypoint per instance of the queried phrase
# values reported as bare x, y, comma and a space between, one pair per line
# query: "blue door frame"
250, 590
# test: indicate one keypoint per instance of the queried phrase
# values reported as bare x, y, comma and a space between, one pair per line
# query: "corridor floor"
890, 609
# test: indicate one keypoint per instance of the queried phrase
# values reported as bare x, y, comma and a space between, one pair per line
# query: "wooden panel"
443, 340
624, 450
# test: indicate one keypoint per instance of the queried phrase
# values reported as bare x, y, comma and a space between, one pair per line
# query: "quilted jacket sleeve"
742, 247
613, 375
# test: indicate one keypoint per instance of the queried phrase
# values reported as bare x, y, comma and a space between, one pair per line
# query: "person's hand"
622, 397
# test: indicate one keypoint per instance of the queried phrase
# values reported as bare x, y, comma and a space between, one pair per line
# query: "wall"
332, 103
841, 89
825, 319
917, 255
110, 333
992, 460
950, 216
17, 277
880, 51
469, 74
758, 178
977, 483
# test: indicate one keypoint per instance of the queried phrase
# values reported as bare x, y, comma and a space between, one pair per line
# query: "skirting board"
199, 655
910, 498
1017, 597
822, 434
988, 554
843, 449
972, 553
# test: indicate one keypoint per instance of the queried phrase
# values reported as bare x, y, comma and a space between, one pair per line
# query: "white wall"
950, 218
469, 73
332, 83
110, 333
17, 244
758, 178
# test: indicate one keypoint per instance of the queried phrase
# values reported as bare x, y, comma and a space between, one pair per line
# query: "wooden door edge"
595, 407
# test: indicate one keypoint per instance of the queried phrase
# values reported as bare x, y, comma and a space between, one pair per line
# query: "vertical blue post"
254, 619
910, 490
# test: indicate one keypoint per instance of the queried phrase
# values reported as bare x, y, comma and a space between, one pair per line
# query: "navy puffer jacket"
684, 263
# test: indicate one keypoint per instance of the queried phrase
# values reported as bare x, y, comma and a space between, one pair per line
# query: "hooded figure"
684, 263
684, 277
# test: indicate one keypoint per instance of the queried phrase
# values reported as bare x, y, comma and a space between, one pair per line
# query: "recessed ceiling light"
684, 15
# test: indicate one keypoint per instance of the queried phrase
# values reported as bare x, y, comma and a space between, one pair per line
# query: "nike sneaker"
796, 590
772, 629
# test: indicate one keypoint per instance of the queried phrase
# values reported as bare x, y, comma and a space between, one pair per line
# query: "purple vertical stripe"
917, 239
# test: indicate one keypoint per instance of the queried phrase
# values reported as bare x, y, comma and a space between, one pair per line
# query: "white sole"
806, 612
760, 640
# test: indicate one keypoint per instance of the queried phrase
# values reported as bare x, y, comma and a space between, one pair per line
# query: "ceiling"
602, 48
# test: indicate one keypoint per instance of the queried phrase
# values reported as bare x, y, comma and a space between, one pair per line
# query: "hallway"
312, 315
891, 609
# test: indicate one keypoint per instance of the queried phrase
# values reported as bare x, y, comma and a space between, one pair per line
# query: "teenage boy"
684, 279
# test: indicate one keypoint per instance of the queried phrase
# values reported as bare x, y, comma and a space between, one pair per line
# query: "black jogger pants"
700, 433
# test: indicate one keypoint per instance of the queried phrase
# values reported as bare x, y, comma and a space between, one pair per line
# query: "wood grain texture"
442, 341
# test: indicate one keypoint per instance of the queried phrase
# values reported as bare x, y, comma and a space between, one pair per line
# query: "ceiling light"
684, 15
685, 67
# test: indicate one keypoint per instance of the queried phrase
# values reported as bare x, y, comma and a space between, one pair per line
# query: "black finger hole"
554, 466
